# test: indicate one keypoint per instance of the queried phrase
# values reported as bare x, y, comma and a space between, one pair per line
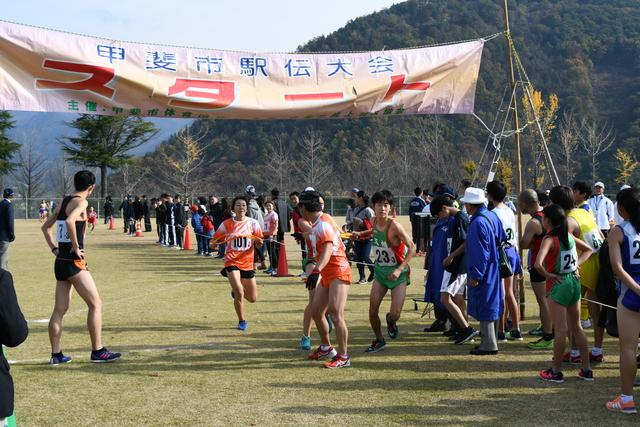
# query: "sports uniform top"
92, 217
324, 230
508, 220
239, 248
386, 257
590, 234
630, 251
561, 260
271, 223
62, 232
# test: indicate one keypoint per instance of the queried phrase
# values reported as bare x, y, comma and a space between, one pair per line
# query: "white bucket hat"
474, 196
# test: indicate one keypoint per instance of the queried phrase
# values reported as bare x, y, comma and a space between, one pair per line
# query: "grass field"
171, 315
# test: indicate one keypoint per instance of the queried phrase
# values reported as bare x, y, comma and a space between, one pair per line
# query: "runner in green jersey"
392, 250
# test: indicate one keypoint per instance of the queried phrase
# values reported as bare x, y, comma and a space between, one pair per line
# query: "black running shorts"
65, 269
244, 274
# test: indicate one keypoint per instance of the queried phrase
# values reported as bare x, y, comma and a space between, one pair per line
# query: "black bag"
504, 265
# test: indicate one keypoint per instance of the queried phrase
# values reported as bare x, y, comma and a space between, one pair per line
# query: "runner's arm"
532, 229
75, 213
401, 233
325, 254
47, 226
545, 247
584, 249
615, 240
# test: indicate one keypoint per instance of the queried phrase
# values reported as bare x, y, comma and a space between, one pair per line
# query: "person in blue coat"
439, 251
485, 293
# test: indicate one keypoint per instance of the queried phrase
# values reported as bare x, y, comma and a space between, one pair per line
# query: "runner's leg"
85, 286
238, 293
398, 295
60, 307
338, 292
375, 299
318, 310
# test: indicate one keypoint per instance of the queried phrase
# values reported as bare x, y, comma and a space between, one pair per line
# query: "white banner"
46, 70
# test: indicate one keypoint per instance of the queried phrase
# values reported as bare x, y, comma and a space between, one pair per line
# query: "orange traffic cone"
138, 230
283, 266
187, 239
112, 225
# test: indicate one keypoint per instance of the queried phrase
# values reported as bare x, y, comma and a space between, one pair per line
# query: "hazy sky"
253, 25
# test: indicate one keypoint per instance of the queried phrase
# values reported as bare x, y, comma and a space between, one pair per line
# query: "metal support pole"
516, 127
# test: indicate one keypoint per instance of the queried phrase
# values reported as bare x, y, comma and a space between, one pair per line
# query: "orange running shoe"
319, 353
616, 405
339, 362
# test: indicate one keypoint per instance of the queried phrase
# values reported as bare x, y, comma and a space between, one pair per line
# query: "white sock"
597, 351
575, 353
625, 398
325, 347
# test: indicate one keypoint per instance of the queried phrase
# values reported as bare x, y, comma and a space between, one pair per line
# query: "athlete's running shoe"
586, 324
242, 325
376, 346
585, 374
362, 282
537, 331
319, 353
568, 358
616, 405
392, 328
339, 362
103, 356
501, 336
551, 376
466, 335
596, 358
59, 359
514, 335
305, 343
541, 344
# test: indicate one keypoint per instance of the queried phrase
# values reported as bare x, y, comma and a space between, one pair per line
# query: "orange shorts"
345, 277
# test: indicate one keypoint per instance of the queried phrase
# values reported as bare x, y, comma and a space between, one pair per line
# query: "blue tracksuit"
440, 249
486, 301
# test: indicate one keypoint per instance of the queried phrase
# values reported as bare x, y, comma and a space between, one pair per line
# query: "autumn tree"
627, 164
184, 158
105, 142
545, 113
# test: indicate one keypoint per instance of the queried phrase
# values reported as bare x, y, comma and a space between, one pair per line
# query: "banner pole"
518, 159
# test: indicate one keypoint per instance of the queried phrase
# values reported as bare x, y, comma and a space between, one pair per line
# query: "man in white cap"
619, 220
602, 208
485, 292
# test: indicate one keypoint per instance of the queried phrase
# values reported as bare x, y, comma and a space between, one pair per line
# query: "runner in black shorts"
71, 270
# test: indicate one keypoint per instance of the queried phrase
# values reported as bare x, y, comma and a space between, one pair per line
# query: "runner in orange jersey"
240, 235
334, 273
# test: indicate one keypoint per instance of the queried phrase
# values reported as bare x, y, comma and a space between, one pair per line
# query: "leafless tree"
595, 141
377, 165
313, 167
278, 160
403, 158
133, 173
569, 144
434, 152
32, 167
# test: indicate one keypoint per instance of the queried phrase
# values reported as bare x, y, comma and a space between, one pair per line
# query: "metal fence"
25, 208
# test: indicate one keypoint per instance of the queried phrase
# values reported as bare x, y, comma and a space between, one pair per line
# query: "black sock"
56, 354
547, 337
98, 350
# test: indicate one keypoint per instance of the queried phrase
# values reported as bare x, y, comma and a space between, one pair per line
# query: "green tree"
105, 142
7, 146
